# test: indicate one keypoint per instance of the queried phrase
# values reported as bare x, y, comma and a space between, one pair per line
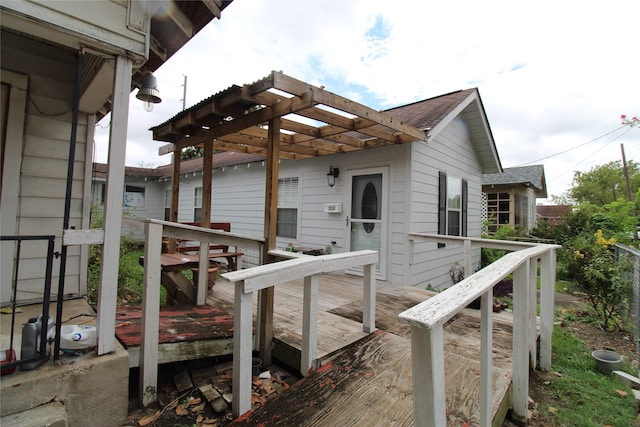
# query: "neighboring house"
379, 196
511, 197
552, 213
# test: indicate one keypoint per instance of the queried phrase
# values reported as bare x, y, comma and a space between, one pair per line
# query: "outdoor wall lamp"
148, 91
332, 175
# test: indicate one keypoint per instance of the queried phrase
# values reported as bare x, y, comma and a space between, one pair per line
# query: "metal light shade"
148, 92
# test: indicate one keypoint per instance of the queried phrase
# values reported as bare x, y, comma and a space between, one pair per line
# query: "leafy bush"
598, 274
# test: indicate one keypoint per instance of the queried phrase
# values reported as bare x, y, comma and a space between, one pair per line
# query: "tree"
191, 153
604, 184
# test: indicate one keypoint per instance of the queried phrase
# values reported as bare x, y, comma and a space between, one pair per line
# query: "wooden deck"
186, 332
365, 379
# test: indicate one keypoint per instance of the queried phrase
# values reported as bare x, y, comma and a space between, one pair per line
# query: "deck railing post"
150, 314
369, 299
486, 355
309, 324
427, 359
242, 346
520, 384
203, 274
547, 293
468, 258
533, 323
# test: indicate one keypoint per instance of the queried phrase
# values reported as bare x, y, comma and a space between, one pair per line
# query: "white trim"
382, 267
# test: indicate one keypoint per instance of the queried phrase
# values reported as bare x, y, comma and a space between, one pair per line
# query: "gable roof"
434, 114
524, 175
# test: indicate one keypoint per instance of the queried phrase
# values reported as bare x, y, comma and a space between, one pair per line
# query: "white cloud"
552, 75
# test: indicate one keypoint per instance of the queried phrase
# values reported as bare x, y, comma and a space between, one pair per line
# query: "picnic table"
181, 289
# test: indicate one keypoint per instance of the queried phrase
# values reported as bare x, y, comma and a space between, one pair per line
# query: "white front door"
367, 214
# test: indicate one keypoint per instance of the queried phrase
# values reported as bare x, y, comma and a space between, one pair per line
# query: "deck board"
186, 332
369, 383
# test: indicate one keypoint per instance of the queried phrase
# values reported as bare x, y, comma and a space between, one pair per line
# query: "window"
167, 205
134, 196
452, 206
197, 204
287, 222
498, 212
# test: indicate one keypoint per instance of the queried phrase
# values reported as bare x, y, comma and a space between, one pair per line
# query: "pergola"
278, 117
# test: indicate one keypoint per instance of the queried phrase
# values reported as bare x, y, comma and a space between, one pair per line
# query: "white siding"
80, 23
451, 152
43, 171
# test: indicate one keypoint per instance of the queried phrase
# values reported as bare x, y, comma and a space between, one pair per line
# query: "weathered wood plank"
370, 384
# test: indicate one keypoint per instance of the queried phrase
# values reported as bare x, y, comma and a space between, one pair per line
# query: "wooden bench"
232, 257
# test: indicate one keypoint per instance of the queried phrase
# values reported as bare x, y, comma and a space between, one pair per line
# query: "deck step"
50, 415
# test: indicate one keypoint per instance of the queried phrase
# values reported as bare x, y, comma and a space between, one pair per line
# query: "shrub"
592, 263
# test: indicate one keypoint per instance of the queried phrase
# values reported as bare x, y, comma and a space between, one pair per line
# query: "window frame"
134, 202
290, 203
444, 209
197, 204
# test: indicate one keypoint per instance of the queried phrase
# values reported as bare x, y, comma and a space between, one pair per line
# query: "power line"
573, 148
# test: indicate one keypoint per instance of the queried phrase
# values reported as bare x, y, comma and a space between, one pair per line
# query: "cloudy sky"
554, 76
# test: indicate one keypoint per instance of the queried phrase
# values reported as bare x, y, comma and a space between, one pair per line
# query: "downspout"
67, 200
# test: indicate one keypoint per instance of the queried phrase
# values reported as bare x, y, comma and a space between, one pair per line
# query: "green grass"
130, 278
581, 395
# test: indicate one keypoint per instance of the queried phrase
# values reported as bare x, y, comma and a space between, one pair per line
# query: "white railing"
248, 281
427, 321
154, 230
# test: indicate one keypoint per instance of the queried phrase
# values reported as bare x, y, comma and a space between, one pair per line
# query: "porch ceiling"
314, 122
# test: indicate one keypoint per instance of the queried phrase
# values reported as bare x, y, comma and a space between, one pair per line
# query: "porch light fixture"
148, 91
332, 175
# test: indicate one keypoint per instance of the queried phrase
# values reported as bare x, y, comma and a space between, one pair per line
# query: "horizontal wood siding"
51, 72
450, 151
103, 23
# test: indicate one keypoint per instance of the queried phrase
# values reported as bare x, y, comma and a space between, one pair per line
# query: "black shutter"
442, 205
465, 205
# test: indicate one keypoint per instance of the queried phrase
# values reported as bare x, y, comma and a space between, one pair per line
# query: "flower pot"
607, 360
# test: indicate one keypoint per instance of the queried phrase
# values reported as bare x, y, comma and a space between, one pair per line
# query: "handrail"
427, 321
154, 230
438, 309
309, 268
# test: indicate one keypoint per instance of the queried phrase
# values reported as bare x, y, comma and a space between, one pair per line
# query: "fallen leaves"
145, 421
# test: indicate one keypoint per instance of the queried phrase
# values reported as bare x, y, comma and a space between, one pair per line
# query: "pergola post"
175, 195
265, 309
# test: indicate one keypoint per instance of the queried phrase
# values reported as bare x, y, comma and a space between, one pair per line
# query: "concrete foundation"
94, 390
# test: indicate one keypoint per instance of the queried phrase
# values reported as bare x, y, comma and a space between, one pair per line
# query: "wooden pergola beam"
294, 86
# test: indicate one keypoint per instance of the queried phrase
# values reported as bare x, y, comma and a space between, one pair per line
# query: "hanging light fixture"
332, 175
148, 91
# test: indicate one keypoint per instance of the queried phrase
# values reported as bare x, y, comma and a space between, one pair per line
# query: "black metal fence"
37, 329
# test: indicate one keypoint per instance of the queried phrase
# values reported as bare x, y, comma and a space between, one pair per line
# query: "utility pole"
628, 181
184, 94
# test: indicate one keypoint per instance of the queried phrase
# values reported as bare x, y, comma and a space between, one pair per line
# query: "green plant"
600, 276
130, 272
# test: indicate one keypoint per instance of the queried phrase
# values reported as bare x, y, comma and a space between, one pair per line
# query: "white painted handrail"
309, 268
427, 321
154, 230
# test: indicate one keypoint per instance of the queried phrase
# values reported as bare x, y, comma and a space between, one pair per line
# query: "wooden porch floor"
366, 379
